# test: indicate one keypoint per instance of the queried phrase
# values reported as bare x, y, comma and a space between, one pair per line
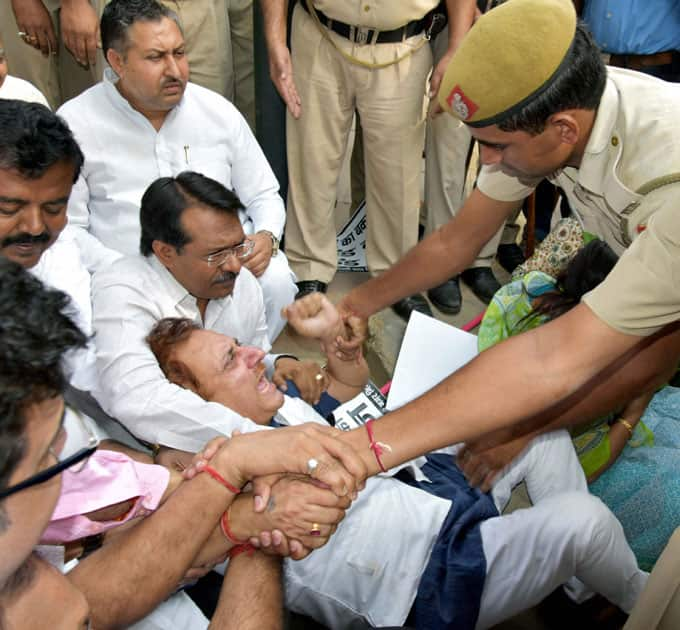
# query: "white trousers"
567, 533
278, 290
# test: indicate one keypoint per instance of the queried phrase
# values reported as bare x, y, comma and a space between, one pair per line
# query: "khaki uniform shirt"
634, 140
384, 15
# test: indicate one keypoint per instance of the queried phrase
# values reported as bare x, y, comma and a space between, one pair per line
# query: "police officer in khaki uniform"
529, 84
365, 55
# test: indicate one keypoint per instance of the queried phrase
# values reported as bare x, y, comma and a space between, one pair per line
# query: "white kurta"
124, 154
60, 267
16, 88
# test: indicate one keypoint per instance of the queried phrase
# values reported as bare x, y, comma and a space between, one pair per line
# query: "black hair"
35, 333
33, 139
586, 270
120, 15
168, 197
579, 84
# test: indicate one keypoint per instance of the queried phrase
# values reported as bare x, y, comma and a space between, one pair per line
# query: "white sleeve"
94, 253
255, 183
133, 388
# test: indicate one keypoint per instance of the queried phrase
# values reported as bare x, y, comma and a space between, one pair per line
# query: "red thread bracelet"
239, 549
221, 480
373, 445
226, 530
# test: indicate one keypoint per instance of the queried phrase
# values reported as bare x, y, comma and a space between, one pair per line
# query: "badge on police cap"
461, 104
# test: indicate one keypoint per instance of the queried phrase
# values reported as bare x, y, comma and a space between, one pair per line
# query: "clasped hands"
313, 316
294, 511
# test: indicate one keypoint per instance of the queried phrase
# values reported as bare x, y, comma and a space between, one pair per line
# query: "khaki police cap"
511, 55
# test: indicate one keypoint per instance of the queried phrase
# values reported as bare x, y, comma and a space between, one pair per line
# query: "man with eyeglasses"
193, 247
146, 120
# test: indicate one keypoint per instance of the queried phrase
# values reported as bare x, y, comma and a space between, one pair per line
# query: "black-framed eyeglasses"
73, 458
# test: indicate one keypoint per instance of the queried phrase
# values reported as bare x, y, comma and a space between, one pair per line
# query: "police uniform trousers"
243, 57
391, 103
59, 77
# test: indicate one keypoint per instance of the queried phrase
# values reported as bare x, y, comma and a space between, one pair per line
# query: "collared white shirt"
128, 299
60, 267
16, 88
124, 154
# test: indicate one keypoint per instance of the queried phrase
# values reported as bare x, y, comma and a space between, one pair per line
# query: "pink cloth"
107, 478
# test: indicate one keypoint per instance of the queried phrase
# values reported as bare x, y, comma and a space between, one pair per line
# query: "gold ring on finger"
316, 530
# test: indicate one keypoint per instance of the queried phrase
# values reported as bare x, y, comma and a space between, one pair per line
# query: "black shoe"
416, 302
305, 287
510, 256
482, 282
446, 297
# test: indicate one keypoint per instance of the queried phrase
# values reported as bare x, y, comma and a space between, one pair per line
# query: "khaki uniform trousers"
447, 146
59, 77
391, 102
658, 608
243, 57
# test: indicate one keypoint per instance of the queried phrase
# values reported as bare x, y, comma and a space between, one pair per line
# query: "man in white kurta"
128, 299
126, 149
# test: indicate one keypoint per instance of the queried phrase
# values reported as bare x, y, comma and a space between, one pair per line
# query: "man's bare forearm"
275, 19
517, 380
461, 17
634, 376
128, 578
252, 595
443, 254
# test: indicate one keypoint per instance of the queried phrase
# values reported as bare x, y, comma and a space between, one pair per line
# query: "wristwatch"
275, 241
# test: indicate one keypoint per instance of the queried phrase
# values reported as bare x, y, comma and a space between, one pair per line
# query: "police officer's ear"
567, 127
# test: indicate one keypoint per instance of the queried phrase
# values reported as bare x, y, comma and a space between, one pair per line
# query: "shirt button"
615, 141
366, 8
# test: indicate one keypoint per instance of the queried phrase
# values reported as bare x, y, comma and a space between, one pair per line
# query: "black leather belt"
639, 62
360, 35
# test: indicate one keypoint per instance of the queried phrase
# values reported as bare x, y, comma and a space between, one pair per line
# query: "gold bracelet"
628, 426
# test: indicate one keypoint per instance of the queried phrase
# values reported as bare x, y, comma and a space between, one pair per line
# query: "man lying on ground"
430, 545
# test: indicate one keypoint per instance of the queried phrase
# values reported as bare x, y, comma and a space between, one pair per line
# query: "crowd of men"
147, 197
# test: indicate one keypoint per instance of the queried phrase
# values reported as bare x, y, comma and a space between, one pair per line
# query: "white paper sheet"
431, 350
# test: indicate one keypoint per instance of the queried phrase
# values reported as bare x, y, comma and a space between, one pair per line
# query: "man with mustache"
193, 250
144, 121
